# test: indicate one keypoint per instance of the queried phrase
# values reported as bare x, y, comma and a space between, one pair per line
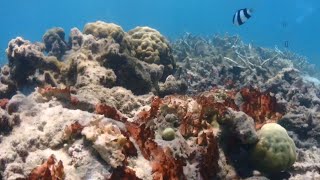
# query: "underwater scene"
160, 90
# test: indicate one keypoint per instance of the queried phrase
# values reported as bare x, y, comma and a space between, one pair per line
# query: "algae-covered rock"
54, 42
275, 151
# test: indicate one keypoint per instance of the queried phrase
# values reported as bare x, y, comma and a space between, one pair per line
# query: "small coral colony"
110, 104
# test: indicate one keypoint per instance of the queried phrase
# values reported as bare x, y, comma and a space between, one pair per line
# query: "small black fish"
241, 16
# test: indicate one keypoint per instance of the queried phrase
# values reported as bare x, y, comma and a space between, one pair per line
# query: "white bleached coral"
107, 140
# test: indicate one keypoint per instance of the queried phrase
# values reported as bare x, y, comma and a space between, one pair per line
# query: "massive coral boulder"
152, 47
55, 44
275, 150
133, 74
101, 29
111, 31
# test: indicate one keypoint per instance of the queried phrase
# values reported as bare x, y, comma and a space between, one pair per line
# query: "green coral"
168, 134
275, 150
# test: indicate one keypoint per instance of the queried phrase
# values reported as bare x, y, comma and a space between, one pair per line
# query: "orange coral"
48, 170
3, 103
61, 94
73, 129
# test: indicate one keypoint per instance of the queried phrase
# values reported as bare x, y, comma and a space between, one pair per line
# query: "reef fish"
241, 16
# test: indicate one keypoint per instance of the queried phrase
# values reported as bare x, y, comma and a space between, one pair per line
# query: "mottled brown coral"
48, 170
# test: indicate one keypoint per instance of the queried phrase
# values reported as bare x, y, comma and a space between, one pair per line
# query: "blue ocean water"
273, 22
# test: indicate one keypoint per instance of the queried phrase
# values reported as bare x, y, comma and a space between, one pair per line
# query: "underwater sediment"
110, 104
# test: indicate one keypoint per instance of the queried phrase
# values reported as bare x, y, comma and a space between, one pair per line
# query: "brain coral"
150, 46
102, 29
275, 150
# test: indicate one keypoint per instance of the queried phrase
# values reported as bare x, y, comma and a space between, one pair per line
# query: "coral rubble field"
110, 104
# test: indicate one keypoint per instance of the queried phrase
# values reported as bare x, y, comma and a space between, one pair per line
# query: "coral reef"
110, 104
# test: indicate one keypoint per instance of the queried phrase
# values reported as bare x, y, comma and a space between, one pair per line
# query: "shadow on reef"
110, 104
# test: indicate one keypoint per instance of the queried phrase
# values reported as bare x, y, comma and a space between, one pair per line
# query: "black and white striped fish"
241, 16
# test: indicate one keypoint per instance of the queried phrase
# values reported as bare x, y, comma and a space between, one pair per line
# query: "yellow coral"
150, 46
101, 29
107, 140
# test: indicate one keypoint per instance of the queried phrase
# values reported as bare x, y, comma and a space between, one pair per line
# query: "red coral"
74, 100
262, 107
211, 104
61, 94
48, 170
164, 164
110, 112
3, 103
209, 157
73, 129
123, 173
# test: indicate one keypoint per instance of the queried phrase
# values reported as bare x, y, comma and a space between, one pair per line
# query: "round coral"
101, 29
168, 134
150, 46
275, 150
